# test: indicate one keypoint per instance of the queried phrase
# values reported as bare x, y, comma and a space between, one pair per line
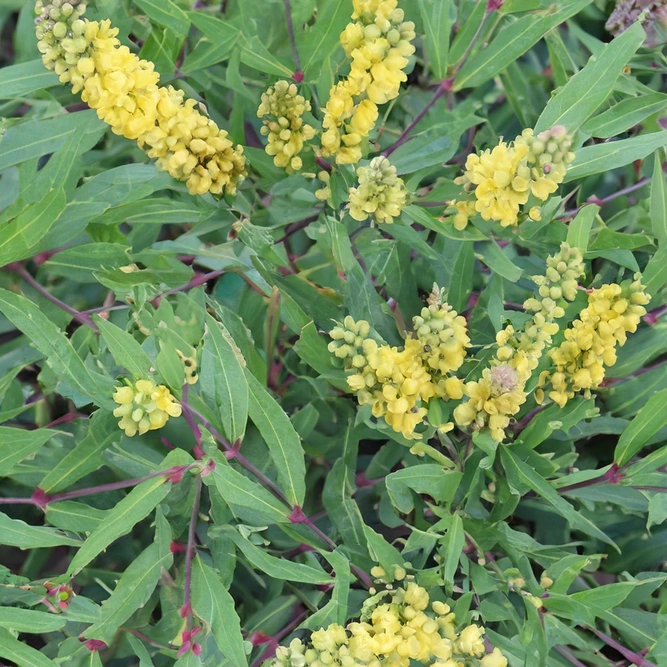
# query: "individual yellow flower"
494, 659
464, 210
124, 91
282, 109
144, 406
381, 194
471, 641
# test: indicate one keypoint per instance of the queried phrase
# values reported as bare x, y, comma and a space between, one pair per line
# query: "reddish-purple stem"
569, 657
605, 200
298, 75
633, 657
190, 551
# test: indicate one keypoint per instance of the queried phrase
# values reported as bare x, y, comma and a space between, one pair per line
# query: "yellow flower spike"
144, 406
282, 109
381, 194
377, 42
124, 91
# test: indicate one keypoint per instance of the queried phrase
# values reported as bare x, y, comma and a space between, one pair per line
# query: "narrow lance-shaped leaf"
16, 444
658, 203
21, 653
648, 421
579, 231
30, 620
281, 438
590, 87
16, 533
223, 380
215, 606
125, 349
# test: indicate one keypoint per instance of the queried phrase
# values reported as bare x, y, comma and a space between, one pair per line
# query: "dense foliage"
331, 333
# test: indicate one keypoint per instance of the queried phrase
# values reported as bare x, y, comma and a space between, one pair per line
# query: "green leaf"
61, 356
17, 444
86, 456
608, 239
658, 202
521, 474
35, 138
438, 16
336, 610
655, 273
624, 115
601, 158
125, 349
79, 263
424, 218
215, 606
499, 262
28, 620
20, 652
579, 231
281, 438
513, 40
454, 542
15, 533
25, 78
318, 43
588, 89
26, 230
648, 421
428, 478
167, 14
223, 380
132, 591
277, 568
244, 495
134, 507
75, 516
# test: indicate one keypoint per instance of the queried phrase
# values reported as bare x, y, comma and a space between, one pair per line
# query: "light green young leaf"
600, 158
16, 444
521, 474
30, 226
513, 40
624, 115
215, 606
648, 421
15, 533
86, 457
125, 349
281, 438
658, 202
579, 231
588, 89
20, 652
223, 381
50, 341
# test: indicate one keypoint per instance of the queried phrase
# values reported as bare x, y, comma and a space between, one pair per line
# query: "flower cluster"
590, 342
144, 406
397, 626
381, 193
125, 92
377, 42
500, 392
282, 109
502, 179
398, 383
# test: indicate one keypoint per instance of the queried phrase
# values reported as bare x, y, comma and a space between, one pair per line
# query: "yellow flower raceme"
396, 626
124, 91
590, 343
377, 42
499, 394
144, 406
502, 179
381, 193
282, 109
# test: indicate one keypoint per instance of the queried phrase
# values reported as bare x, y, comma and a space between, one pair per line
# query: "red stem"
633, 657
605, 200
190, 551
